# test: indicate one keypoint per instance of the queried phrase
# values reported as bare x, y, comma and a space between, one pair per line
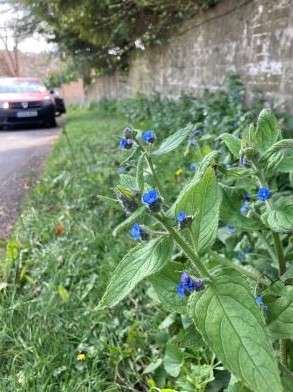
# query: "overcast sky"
34, 44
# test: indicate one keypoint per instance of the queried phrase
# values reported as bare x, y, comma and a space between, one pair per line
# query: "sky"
35, 44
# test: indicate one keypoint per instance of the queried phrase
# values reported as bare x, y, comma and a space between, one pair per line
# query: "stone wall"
251, 37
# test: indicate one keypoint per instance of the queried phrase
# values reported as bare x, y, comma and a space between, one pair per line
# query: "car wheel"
51, 122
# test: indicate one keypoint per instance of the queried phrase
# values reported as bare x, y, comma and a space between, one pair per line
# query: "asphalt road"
22, 153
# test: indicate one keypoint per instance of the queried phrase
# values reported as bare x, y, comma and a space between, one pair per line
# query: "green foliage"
230, 322
102, 34
139, 263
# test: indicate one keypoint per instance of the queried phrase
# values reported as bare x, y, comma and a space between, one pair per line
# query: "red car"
26, 101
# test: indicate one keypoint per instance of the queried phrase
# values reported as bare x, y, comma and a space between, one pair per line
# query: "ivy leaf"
174, 140
226, 315
267, 131
280, 217
173, 360
280, 314
139, 263
233, 144
202, 199
165, 283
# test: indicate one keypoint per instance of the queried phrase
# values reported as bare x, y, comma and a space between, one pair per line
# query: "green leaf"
267, 131
280, 217
174, 140
286, 164
226, 315
153, 366
280, 314
287, 379
173, 360
284, 145
140, 173
230, 210
131, 219
233, 144
139, 263
189, 338
165, 283
202, 199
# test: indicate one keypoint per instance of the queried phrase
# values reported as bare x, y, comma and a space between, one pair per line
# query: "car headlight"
4, 105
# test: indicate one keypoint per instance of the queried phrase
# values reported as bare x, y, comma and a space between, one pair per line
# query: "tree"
103, 33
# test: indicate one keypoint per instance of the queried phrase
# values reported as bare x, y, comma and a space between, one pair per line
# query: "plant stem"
156, 178
280, 254
200, 269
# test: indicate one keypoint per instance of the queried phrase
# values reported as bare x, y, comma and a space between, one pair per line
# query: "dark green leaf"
174, 140
280, 217
230, 322
139, 263
280, 314
165, 283
267, 131
233, 144
202, 199
173, 360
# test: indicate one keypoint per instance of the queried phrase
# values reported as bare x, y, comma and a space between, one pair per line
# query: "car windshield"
21, 86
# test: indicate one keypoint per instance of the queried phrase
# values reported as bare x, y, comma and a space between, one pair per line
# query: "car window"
23, 86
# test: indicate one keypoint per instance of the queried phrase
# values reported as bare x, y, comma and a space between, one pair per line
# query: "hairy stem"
156, 178
199, 268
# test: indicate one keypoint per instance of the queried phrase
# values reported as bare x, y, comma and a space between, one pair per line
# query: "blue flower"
246, 196
242, 161
152, 199
192, 167
136, 232
187, 285
193, 142
181, 290
263, 194
181, 217
230, 229
121, 170
196, 132
244, 208
149, 136
259, 300
125, 144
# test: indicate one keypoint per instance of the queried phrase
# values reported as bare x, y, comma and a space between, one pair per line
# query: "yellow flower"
178, 172
81, 357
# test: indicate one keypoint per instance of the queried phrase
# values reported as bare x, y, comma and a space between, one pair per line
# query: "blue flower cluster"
187, 285
260, 302
138, 233
149, 136
263, 194
152, 199
242, 161
231, 230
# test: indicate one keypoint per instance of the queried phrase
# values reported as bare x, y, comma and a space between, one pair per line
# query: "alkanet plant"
234, 204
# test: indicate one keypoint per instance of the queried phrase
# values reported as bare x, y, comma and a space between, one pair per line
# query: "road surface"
21, 155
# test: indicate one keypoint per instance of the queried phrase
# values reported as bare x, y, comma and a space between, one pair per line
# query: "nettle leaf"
165, 283
226, 315
233, 144
280, 217
131, 219
173, 360
202, 199
139, 263
174, 140
230, 210
267, 131
280, 314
